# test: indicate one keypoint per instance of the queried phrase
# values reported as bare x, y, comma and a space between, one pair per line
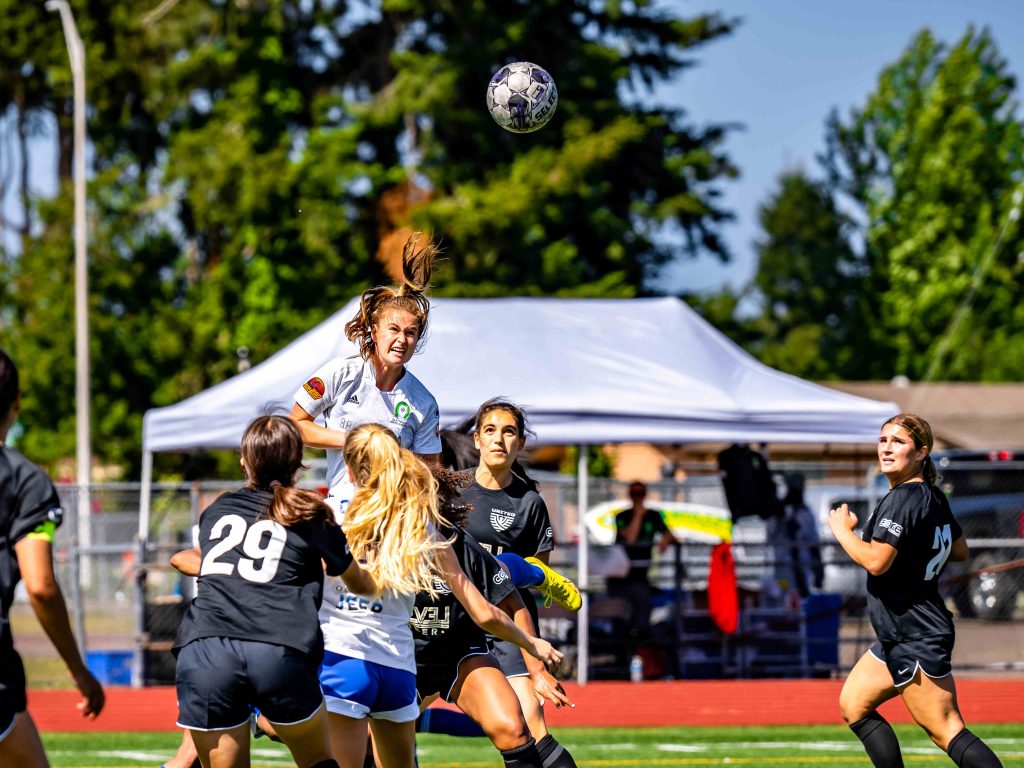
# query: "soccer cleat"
557, 588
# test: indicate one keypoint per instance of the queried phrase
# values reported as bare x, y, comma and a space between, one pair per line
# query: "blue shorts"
220, 680
932, 655
358, 688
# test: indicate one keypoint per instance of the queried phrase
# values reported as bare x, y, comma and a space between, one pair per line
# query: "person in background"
639, 529
905, 545
798, 535
30, 512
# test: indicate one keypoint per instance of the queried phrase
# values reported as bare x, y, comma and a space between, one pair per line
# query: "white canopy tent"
587, 371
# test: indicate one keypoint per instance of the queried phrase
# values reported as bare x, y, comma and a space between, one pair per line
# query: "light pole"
83, 450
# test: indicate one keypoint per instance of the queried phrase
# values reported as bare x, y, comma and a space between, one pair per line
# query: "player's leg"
347, 736
307, 740
867, 687
531, 572
19, 741
394, 744
186, 756
227, 748
933, 705
483, 693
552, 752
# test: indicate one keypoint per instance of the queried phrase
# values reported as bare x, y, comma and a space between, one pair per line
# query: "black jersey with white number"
28, 500
260, 580
441, 626
904, 602
512, 519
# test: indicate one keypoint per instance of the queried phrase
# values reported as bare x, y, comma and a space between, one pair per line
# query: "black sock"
968, 751
326, 764
553, 754
525, 756
879, 740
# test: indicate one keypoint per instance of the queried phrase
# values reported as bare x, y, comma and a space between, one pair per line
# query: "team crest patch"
502, 519
403, 410
314, 387
499, 577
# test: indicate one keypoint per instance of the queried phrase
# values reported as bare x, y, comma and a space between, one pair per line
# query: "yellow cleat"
557, 588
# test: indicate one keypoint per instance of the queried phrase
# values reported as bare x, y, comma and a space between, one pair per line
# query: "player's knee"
506, 730
852, 708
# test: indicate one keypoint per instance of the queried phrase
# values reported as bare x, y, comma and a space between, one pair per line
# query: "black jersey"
260, 580
904, 602
441, 626
512, 519
28, 501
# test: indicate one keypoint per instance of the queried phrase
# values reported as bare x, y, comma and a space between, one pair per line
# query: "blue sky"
781, 72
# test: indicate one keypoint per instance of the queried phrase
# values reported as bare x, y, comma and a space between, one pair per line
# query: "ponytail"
393, 518
291, 506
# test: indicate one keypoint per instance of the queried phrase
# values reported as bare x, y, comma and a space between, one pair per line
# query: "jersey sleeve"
658, 521
319, 391
36, 504
537, 532
895, 514
427, 439
334, 550
486, 572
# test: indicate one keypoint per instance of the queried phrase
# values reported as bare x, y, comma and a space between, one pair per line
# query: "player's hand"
546, 687
547, 653
93, 697
841, 519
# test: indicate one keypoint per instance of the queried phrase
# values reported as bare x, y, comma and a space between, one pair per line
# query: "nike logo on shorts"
904, 671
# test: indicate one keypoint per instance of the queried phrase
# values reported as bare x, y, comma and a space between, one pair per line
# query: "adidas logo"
354, 399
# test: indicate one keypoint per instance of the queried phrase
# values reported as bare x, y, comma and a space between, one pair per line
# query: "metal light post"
83, 450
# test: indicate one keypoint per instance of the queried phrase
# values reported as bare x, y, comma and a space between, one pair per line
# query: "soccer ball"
521, 97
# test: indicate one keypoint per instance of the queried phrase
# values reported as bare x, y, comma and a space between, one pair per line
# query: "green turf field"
798, 746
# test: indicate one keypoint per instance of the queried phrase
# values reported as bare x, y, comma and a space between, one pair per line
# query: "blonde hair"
392, 521
921, 431
417, 267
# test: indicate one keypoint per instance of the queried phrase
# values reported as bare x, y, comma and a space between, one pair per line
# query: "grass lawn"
796, 746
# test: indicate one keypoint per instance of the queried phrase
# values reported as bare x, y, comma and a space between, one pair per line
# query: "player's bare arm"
875, 557
313, 435
545, 685
188, 561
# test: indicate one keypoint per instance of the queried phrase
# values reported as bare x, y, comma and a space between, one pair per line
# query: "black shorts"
220, 678
933, 655
510, 655
12, 689
440, 675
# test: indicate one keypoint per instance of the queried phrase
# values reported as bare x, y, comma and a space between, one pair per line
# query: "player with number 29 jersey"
260, 580
904, 602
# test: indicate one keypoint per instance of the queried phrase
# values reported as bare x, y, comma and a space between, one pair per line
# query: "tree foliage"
904, 259
256, 162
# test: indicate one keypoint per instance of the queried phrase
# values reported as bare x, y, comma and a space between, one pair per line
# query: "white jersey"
344, 392
372, 628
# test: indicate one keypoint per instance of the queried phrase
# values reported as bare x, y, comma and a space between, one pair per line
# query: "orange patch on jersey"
314, 387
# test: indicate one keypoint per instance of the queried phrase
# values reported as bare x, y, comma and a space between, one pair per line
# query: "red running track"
726, 702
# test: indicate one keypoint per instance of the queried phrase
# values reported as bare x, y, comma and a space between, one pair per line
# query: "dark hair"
921, 431
501, 404
449, 487
8, 383
272, 452
417, 267
637, 487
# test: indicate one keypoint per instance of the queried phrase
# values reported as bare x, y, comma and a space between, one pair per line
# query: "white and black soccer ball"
521, 97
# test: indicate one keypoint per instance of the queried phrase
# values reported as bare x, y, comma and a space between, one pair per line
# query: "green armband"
44, 531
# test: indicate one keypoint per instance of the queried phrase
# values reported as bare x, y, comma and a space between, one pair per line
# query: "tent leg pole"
145, 490
582, 618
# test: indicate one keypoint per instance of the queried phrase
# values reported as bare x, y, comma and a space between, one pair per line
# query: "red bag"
723, 597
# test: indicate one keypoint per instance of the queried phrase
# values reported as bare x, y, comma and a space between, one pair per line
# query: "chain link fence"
127, 602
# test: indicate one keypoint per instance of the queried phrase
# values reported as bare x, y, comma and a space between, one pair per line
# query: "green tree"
932, 162
809, 282
254, 161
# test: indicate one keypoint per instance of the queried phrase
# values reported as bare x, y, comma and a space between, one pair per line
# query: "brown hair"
272, 452
921, 432
417, 267
8, 383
